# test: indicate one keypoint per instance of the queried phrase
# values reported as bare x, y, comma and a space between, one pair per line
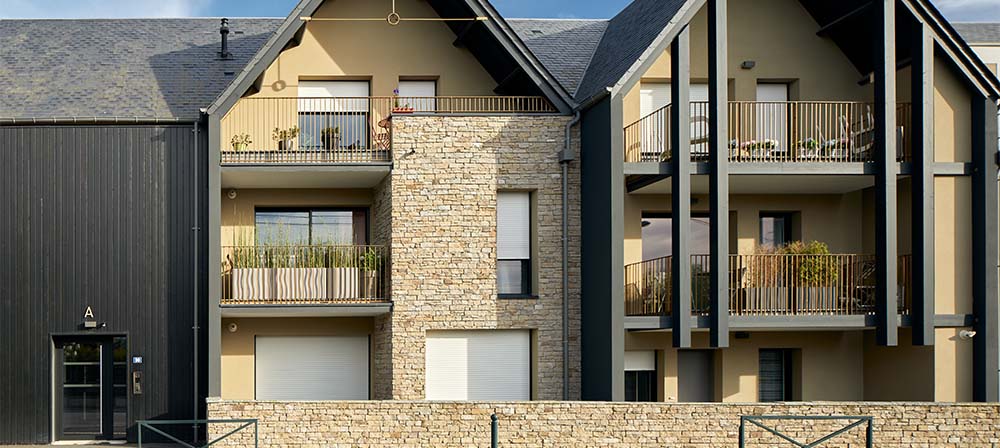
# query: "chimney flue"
224, 32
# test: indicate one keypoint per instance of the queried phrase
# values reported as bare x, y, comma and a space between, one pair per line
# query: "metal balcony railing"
778, 132
769, 285
341, 130
287, 275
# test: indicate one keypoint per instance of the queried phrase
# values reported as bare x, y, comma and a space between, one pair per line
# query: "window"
776, 229
514, 243
305, 227
657, 239
418, 94
775, 378
640, 376
340, 108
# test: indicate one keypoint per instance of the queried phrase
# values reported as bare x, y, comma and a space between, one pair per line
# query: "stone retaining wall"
594, 424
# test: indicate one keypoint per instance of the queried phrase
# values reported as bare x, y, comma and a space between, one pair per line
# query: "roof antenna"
224, 31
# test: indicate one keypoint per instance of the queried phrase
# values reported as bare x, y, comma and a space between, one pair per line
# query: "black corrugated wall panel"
100, 217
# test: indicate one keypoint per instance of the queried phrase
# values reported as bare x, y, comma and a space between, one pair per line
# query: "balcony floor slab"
334, 310
304, 176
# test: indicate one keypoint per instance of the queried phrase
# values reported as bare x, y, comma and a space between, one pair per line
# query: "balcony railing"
340, 130
295, 275
780, 132
769, 285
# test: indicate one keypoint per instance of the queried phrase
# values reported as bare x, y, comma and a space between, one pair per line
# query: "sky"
955, 10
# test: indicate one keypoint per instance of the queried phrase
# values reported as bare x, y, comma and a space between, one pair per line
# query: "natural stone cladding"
446, 173
595, 424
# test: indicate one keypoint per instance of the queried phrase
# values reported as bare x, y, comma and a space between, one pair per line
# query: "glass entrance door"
91, 388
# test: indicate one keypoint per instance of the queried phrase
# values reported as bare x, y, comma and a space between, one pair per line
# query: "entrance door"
91, 389
694, 376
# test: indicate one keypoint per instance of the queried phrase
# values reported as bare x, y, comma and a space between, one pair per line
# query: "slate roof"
564, 46
628, 35
978, 33
133, 68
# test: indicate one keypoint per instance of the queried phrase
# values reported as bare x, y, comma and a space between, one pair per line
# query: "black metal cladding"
98, 216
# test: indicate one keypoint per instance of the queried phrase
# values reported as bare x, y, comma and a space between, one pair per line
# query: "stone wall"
447, 170
593, 424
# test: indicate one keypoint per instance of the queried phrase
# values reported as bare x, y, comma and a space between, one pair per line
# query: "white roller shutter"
640, 361
655, 95
350, 96
418, 95
513, 225
311, 368
491, 365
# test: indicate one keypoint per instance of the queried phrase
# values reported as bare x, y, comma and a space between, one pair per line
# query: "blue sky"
958, 10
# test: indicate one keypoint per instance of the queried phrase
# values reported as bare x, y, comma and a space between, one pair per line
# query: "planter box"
817, 299
288, 285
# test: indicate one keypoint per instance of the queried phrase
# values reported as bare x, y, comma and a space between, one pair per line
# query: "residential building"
443, 204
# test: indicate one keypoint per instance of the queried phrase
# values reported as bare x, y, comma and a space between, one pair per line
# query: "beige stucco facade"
238, 344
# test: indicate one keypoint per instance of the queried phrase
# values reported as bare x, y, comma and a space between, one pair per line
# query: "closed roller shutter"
478, 365
312, 368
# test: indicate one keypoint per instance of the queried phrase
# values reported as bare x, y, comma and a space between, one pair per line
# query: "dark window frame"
527, 284
310, 211
790, 221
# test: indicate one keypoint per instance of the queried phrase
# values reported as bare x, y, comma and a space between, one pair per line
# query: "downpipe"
565, 157
196, 232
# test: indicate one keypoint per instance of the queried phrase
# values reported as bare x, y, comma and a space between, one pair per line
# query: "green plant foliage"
815, 266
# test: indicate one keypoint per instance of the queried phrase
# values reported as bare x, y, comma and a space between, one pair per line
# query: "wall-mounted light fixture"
748, 65
231, 194
967, 334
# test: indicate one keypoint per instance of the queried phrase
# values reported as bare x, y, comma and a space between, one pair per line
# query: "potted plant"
396, 107
284, 137
766, 289
371, 268
343, 273
330, 137
240, 142
816, 274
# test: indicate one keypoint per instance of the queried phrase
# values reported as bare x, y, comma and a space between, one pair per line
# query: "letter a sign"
89, 314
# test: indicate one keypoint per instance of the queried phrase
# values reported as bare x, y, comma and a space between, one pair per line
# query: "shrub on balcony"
815, 266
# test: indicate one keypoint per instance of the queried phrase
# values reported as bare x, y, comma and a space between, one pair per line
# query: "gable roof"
979, 32
564, 46
628, 37
636, 36
503, 40
119, 68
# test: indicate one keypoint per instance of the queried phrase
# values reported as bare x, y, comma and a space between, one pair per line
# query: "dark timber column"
718, 132
984, 249
886, 326
680, 142
922, 93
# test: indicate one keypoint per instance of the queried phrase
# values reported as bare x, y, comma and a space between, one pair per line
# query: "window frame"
527, 264
310, 210
790, 221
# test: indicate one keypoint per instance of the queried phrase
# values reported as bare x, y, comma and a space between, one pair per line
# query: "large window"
311, 227
334, 114
657, 240
514, 243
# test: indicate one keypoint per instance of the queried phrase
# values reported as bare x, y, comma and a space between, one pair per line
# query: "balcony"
283, 276
340, 131
769, 285
774, 132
